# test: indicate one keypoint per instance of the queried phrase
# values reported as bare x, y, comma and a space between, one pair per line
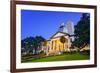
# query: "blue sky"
44, 23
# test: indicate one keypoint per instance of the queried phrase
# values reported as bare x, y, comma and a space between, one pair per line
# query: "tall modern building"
67, 28
70, 29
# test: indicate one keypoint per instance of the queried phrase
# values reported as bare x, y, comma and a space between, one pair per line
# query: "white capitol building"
54, 44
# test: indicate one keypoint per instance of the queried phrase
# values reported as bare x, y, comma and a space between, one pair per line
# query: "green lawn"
63, 57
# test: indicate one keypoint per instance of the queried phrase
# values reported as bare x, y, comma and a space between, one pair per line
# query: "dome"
62, 28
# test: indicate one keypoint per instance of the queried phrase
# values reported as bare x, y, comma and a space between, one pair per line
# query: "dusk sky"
44, 23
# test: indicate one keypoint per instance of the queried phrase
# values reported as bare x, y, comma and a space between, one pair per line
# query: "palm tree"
62, 40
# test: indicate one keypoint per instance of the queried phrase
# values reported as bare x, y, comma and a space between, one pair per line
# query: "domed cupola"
62, 28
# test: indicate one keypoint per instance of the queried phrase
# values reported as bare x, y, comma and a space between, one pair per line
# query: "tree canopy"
82, 31
62, 40
31, 43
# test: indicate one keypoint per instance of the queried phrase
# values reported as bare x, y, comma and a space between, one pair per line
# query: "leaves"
82, 31
62, 39
31, 43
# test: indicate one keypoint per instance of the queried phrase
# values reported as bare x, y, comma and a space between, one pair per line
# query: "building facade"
54, 45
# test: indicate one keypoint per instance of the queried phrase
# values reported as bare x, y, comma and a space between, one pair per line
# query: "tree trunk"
35, 50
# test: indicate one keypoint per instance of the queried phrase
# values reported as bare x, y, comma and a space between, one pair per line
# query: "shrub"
85, 52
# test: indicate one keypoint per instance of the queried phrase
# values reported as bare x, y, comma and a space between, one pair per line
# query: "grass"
63, 57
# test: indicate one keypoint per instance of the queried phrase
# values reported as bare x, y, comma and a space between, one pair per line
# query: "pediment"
58, 34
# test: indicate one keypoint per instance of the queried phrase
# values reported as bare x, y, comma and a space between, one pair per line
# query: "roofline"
59, 36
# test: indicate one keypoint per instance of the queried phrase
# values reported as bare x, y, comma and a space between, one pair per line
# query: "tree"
31, 43
37, 43
27, 44
62, 40
82, 31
